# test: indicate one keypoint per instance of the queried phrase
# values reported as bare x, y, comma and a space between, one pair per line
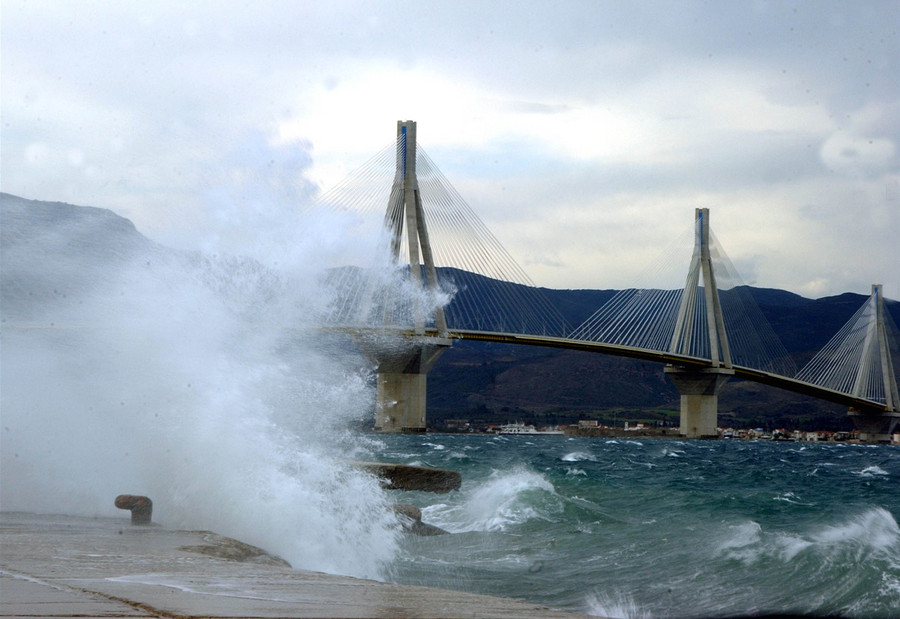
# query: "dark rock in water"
233, 550
411, 520
409, 511
424, 529
409, 477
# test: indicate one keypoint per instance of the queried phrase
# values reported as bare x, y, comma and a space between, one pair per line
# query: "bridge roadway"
758, 376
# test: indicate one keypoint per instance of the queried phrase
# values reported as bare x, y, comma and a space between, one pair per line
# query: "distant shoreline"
672, 433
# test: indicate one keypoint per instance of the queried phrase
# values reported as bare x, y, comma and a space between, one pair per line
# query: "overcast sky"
584, 134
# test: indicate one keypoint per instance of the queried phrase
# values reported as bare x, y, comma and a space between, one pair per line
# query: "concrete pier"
401, 387
875, 427
66, 566
401, 368
699, 389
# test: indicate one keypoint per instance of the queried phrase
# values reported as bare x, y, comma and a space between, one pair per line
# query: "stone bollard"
141, 507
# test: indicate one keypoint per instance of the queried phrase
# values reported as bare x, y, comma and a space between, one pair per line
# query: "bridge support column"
400, 402
875, 427
699, 389
402, 363
401, 369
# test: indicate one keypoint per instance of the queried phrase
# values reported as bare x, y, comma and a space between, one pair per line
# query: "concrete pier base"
699, 389
875, 427
400, 402
402, 366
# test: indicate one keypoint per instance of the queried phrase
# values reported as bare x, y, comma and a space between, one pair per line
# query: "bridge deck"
759, 376
766, 378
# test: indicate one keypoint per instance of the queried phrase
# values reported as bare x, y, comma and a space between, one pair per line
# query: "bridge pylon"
699, 387
402, 366
875, 361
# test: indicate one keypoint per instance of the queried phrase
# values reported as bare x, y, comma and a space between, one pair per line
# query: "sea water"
659, 527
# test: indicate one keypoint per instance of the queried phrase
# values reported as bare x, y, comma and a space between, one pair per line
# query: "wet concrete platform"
67, 566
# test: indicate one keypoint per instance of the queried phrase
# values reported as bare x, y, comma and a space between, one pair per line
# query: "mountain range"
476, 382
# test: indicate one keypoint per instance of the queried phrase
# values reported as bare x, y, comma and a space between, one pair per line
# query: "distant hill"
496, 382
53, 251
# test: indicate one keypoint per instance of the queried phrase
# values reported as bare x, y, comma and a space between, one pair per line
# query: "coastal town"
591, 428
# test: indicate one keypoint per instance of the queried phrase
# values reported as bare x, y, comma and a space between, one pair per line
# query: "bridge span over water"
759, 376
704, 333
859, 406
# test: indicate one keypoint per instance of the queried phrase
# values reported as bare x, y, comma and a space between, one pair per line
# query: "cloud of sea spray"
204, 382
382, 294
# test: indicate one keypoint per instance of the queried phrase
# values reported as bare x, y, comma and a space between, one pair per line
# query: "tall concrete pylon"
402, 366
699, 388
877, 427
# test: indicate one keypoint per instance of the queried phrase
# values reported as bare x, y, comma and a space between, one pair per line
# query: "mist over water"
201, 381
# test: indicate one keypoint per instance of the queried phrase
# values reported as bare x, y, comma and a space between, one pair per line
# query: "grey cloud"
129, 104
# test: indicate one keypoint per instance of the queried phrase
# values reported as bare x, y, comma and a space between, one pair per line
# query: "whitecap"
872, 471
430, 512
873, 530
790, 497
789, 546
578, 456
739, 539
649, 465
505, 499
748, 543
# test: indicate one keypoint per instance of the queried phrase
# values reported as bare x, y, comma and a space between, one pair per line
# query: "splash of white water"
201, 382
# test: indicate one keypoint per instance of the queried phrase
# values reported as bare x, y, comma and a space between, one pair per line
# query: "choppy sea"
659, 527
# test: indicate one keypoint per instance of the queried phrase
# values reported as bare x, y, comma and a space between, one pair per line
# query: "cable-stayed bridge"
441, 275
